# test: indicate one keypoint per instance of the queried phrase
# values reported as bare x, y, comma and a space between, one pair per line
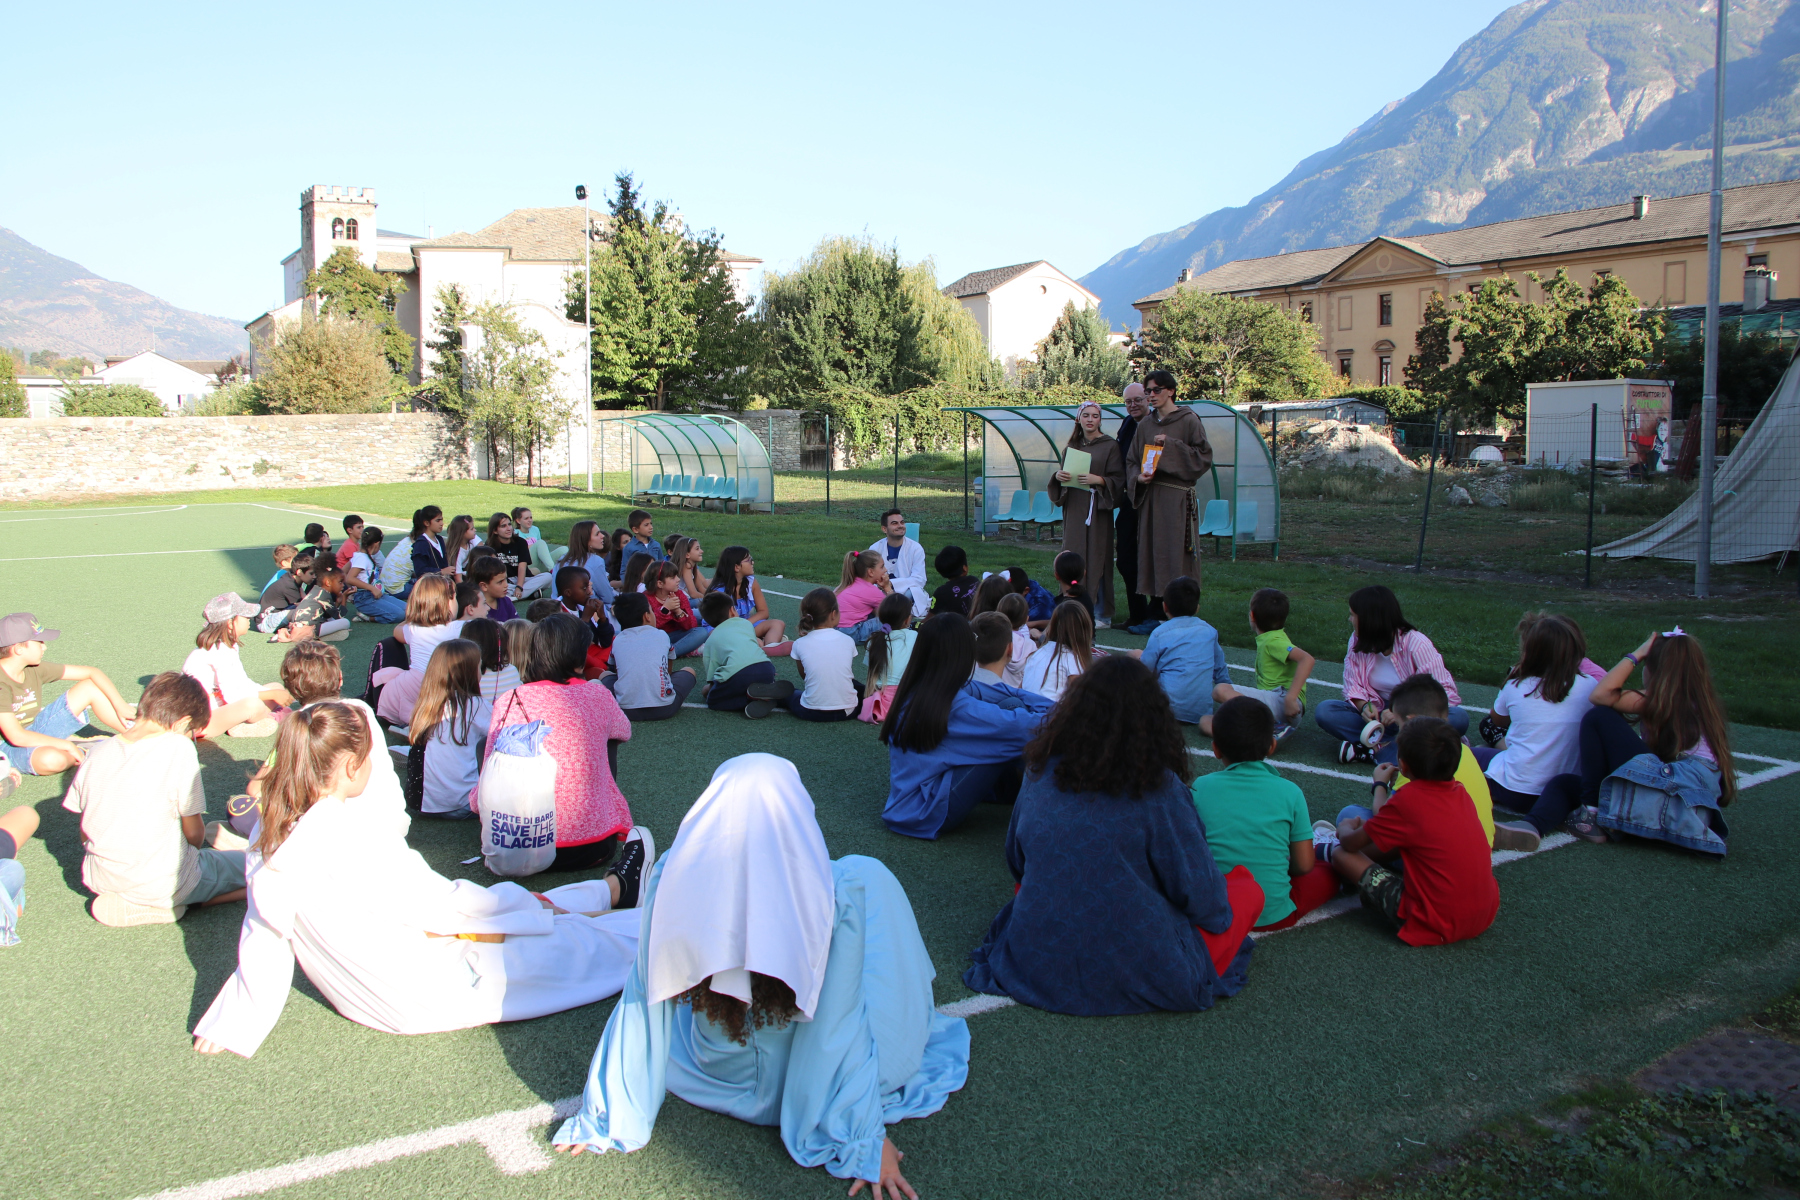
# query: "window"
1757, 260
1385, 370
350, 230
1306, 311
337, 228
1346, 312
1675, 283
1385, 304
1474, 288
1344, 365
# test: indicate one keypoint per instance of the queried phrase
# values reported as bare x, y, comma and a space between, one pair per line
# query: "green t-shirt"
729, 649
25, 699
1252, 817
1273, 670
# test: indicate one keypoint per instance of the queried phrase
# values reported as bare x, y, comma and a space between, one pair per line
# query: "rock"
1458, 497
1490, 500
1337, 444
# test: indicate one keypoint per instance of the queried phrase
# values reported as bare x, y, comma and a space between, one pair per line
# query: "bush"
1402, 404
326, 365
1656, 499
111, 400
239, 399
1350, 485
1547, 491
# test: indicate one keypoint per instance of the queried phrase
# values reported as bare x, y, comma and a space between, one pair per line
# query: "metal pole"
965, 448
1709, 395
828, 464
896, 460
771, 420
1593, 476
587, 321
1430, 482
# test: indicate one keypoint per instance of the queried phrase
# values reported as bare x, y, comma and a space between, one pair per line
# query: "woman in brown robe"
1088, 515
1167, 518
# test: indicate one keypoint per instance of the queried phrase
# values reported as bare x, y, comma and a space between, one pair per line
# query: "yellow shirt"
1468, 773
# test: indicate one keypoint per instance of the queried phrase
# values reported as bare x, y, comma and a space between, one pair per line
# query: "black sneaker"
777, 691
756, 710
635, 859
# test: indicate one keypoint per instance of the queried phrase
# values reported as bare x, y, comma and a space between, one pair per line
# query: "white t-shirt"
221, 667
421, 640
451, 769
1544, 739
371, 568
1049, 669
1383, 677
397, 569
1022, 649
462, 556
827, 655
641, 657
131, 797
496, 683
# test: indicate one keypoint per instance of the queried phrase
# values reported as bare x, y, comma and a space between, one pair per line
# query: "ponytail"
857, 565
895, 613
815, 608
310, 744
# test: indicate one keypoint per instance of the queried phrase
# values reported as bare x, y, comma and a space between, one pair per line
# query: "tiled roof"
204, 367
979, 283
529, 234
393, 260
1676, 218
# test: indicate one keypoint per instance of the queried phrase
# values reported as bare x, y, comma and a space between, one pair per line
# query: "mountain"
1558, 105
50, 303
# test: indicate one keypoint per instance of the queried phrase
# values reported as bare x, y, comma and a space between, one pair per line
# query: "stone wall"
82, 456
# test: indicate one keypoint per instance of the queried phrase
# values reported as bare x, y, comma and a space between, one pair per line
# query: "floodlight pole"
587, 322
1709, 393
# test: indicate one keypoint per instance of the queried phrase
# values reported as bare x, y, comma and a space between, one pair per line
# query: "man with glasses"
1164, 495
1125, 523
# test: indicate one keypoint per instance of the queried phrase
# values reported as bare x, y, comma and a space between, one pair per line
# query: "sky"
170, 154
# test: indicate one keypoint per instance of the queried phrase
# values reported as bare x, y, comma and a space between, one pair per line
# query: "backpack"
388, 652
517, 797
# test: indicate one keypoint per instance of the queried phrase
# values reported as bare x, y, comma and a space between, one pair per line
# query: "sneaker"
1145, 629
1103, 623
1516, 835
1283, 732
335, 636
756, 710
360, 617
634, 861
114, 910
253, 729
1352, 752
1325, 839
1584, 823
777, 691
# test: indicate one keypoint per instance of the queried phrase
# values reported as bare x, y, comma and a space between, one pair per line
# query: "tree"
1750, 367
1227, 349
669, 330
111, 400
445, 372
508, 390
347, 288
12, 392
1078, 349
326, 365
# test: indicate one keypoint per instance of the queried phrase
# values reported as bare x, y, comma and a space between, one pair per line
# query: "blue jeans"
12, 900
690, 641
1340, 719
863, 630
54, 721
1355, 810
385, 608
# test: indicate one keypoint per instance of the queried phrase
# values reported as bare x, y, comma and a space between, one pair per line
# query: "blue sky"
170, 152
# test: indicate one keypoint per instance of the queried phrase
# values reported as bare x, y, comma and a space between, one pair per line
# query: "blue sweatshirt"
989, 723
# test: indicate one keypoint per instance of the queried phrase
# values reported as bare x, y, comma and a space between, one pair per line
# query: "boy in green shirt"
733, 665
1282, 668
1255, 818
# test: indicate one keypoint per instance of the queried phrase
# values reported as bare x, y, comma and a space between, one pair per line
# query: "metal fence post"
965, 450
770, 443
896, 459
828, 464
1430, 482
1593, 476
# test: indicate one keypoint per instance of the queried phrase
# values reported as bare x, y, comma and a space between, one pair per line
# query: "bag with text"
517, 801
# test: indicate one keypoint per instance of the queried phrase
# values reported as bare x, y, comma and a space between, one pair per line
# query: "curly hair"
1113, 731
771, 1006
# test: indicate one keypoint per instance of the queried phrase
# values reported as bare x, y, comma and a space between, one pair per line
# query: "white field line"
120, 554
87, 514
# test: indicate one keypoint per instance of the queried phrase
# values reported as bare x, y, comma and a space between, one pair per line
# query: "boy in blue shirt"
1184, 652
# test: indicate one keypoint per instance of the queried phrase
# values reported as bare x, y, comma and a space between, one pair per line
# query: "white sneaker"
1325, 839
1102, 623
1516, 835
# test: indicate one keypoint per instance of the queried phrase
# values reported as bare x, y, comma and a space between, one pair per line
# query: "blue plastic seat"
1043, 512
1020, 512
653, 487
1216, 521
748, 492
912, 530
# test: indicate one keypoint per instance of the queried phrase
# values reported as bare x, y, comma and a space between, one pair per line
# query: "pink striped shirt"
1413, 654
583, 717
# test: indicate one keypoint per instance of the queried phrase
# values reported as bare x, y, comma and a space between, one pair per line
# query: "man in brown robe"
1168, 546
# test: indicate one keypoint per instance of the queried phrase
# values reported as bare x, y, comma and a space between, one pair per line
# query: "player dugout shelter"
666, 446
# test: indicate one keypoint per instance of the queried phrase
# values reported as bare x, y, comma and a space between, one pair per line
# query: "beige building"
1016, 306
1369, 299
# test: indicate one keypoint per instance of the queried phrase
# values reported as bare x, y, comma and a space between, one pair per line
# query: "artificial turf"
1347, 1053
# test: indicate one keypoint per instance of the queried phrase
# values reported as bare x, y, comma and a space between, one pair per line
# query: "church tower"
331, 217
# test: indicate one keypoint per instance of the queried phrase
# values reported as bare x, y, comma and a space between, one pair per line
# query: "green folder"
1077, 463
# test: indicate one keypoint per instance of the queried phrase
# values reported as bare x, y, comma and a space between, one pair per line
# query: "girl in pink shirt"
862, 587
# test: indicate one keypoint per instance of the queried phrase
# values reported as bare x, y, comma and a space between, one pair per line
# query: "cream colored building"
1369, 299
1016, 306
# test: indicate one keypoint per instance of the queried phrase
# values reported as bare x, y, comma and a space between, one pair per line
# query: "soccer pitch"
1348, 1052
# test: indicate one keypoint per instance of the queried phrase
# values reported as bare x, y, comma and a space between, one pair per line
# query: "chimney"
1640, 207
1759, 288
1184, 276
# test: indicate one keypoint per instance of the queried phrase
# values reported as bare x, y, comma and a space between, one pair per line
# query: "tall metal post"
896, 460
1593, 478
1430, 482
965, 448
587, 322
771, 444
1709, 394
828, 464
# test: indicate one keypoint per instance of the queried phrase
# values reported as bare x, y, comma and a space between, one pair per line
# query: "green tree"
1227, 349
63, 366
1750, 367
1078, 349
444, 372
12, 392
347, 288
509, 390
326, 365
669, 330
111, 400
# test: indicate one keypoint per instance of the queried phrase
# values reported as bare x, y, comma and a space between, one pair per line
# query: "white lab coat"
348, 898
908, 572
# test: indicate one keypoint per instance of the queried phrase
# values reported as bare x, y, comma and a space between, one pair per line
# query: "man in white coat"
905, 560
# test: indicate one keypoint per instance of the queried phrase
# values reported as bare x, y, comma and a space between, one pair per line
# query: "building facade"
1369, 299
1016, 306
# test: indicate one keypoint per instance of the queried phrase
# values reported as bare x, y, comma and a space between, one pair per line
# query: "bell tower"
331, 217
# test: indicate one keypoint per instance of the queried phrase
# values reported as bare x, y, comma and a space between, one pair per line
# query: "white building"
1016, 306
178, 384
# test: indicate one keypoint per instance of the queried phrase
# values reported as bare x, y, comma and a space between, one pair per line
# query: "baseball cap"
23, 627
227, 606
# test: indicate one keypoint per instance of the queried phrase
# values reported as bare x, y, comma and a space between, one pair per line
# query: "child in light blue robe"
874, 1051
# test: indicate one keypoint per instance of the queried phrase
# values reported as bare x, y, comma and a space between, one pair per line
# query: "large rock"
1457, 497
1337, 444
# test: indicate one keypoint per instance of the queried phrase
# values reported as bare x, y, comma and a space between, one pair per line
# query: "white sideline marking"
120, 554
1291, 766
86, 514
976, 1005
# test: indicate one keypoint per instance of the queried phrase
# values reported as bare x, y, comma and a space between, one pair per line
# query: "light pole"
587, 321
1709, 387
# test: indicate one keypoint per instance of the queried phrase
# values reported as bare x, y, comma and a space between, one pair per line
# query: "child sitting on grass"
734, 664
988, 594
489, 574
540, 609
1184, 652
1257, 819
449, 724
1039, 603
674, 614
148, 845
890, 648
958, 590
353, 532
1448, 893
644, 686
862, 586
16, 828
1068, 650
1071, 581
1282, 668
575, 589
284, 560
363, 574
34, 735
825, 654
497, 675
1014, 609
276, 605
471, 602
320, 613
241, 707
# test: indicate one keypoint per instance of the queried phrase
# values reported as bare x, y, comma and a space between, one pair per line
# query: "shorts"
221, 871
54, 721
1381, 891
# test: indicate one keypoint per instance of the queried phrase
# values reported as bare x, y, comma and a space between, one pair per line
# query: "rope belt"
1192, 523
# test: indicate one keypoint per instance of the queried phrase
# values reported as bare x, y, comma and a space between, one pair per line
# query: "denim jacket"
1674, 802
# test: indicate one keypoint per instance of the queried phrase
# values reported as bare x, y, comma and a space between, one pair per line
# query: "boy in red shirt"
1447, 893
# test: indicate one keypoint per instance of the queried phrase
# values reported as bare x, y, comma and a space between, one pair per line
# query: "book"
1152, 455
1077, 463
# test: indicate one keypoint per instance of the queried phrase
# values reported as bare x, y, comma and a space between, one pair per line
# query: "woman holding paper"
1087, 489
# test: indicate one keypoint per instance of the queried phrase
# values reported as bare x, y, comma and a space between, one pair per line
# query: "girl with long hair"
587, 550
890, 646
428, 545
775, 986
1682, 742
1384, 649
1120, 906
1539, 712
826, 656
862, 586
389, 942
989, 592
736, 577
430, 620
953, 742
1088, 501
674, 614
637, 573
505, 543
449, 722
1068, 650
686, 556
498, 675
620, 537
459, 540
240, 706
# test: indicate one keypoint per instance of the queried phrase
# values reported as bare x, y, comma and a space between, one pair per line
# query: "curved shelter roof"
1022, 447
699, 444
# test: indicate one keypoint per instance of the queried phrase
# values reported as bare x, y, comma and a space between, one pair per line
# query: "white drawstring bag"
517, 800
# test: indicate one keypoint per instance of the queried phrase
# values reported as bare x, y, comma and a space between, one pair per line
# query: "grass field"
1347, 1054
